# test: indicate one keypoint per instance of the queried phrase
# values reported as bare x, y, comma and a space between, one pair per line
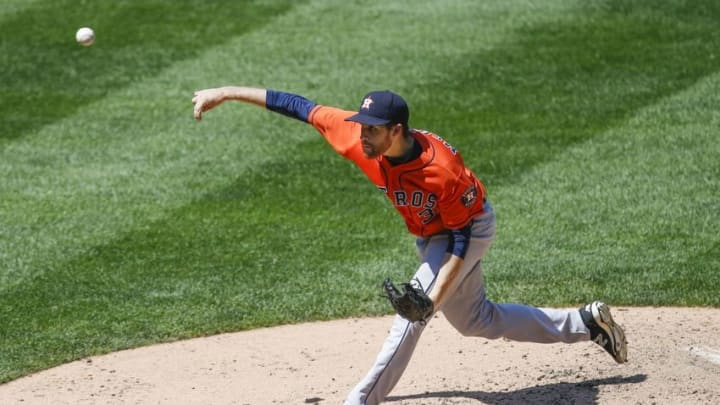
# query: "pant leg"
472, 314
389, 364
400, 343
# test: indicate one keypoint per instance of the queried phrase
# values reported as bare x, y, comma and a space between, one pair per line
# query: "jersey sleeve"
342, 135
289, 104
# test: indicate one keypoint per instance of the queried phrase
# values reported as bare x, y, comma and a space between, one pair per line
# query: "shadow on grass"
559, 393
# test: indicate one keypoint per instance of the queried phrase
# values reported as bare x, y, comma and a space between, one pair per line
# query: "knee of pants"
477, 321
464, 330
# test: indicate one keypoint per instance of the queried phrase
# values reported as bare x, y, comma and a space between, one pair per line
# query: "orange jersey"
434, 193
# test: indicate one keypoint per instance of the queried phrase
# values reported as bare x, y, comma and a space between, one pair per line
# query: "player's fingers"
197, 111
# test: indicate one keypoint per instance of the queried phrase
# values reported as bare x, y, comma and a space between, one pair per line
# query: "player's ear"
397, 129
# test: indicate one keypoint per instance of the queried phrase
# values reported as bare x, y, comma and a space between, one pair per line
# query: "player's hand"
411, 303
205, 100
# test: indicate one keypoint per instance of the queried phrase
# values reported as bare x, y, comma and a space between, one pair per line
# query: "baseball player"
446, 207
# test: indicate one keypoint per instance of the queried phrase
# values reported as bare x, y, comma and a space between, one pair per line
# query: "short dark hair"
405, 128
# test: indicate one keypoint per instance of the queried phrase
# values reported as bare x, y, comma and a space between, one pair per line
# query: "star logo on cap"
366, 103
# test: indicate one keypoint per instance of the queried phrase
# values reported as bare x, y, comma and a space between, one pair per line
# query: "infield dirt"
674, 358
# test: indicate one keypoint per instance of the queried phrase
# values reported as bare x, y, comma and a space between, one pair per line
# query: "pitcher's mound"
674, 358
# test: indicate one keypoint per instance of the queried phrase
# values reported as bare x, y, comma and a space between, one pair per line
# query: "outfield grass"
123, 222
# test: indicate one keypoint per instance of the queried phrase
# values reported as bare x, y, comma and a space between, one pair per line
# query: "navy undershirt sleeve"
460, 241
289, 104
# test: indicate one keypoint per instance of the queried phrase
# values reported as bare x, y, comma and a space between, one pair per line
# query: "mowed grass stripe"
74, 257
565, 79
630, 216
82, 179
45, 75
217, 265
207, 239
12, 7
576, 79
129, 158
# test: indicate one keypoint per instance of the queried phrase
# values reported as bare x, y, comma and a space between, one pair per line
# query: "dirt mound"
674, 358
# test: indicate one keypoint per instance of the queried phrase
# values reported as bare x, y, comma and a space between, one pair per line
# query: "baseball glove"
412, 303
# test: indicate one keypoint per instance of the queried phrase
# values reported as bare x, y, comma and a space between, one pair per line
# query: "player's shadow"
580, 393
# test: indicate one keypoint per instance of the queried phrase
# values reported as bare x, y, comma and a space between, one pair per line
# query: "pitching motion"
445, 205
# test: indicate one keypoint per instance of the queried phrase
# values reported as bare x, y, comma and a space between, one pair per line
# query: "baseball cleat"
604, 331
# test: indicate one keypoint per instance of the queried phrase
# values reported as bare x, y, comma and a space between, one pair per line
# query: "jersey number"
417, 199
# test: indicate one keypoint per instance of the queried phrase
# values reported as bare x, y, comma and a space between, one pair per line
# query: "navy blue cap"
382, 108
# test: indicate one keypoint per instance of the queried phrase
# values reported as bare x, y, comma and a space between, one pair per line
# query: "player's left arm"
462, 202
449, 275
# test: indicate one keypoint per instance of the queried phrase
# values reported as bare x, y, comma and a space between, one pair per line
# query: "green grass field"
594, 125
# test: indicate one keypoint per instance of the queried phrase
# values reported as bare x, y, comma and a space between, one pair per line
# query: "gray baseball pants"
468, 311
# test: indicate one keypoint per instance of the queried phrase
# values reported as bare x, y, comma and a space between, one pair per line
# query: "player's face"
376, 140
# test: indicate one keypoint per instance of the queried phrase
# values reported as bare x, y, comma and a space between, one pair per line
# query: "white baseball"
85, 36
